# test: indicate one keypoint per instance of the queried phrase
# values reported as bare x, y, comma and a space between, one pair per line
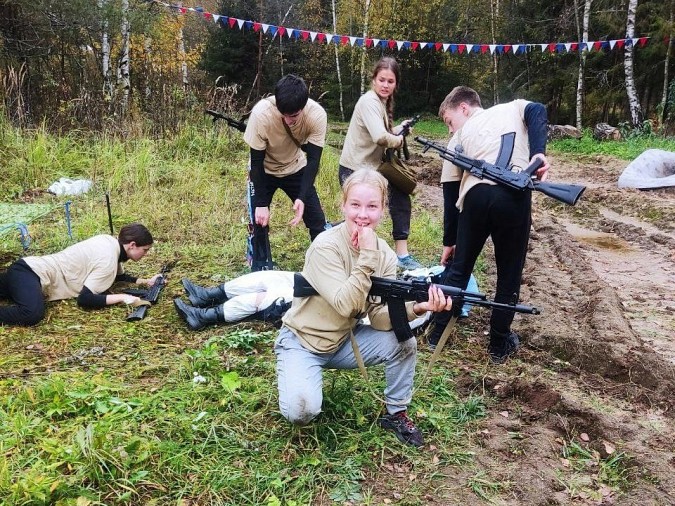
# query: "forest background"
128, 65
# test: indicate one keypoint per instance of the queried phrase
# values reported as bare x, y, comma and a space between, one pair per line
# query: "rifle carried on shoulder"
395, 293
151, 295
501, 173
239, 125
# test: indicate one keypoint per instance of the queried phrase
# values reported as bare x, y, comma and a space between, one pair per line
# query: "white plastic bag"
66, 186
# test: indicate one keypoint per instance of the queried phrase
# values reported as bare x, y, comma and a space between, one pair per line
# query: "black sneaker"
403, 427
499, 353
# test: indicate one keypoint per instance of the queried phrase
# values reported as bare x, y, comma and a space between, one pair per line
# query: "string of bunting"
455, 48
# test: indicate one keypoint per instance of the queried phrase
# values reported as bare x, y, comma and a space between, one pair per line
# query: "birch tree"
123, 81
494, 10
582, 61
666, 64
183, 59
105, 52
366, 17
633, 101
337, 61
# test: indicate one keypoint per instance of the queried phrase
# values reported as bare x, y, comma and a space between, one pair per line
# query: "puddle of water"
598, 239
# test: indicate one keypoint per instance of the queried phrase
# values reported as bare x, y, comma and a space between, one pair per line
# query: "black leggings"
505, 215
22, 286
400, 207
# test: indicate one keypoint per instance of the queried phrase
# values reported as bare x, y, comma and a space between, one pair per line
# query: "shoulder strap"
286, 127
290, 134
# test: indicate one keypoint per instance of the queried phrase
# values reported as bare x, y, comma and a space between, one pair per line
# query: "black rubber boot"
204, 297
197, 317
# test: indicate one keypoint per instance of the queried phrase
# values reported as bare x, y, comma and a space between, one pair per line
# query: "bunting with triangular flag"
400, 45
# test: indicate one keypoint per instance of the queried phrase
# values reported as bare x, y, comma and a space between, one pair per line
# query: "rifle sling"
290, 134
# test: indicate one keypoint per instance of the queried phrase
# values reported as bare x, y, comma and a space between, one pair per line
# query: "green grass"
96, 410
627, 149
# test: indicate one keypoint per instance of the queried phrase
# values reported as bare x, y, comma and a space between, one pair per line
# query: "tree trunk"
494, 8
337, 62
366, 16
633, 101
183, 59
582, 61
123, 67
666, 64
147, 52
105, 53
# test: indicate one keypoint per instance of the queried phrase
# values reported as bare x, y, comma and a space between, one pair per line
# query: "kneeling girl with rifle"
317, 329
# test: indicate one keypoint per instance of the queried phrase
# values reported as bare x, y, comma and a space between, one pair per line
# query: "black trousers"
314, 217
400, 207
22, 286
505, 215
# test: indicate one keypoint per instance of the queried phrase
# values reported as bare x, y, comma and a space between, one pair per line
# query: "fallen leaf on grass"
505, 414
584, 437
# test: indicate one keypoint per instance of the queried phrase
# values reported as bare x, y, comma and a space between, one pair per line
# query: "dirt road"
585, 413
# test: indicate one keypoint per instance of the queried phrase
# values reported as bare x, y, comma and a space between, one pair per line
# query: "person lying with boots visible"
260, 295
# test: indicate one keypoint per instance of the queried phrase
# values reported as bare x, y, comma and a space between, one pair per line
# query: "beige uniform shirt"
341, 275
265, 131
481, 137
93, 263
367, 135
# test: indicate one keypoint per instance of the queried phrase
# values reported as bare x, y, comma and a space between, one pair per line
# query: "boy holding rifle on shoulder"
477, 208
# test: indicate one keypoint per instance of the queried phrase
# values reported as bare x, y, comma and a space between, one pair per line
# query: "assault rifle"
395, 293
501, 173
151, 295
406, 130
239, 125
258, 251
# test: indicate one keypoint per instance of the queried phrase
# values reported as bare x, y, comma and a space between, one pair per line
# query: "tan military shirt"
480, 138
341, 275
265, 131
367, 135
93, 263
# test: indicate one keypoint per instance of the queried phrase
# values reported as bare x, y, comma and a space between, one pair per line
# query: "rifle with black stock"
395, 293
238, 124
405, 132
258, 251
150, 295
501, 173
